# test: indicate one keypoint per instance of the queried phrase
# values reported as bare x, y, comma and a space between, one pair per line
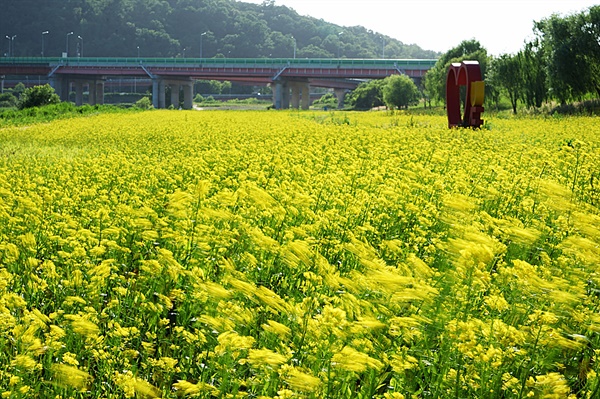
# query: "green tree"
7, 100
588, 26
435, 79
38, 96
367, 95
533, 68
163, 28
505, 73
19, 89
400, 91
571, 52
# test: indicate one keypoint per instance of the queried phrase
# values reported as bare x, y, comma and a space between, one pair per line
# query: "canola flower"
289, 255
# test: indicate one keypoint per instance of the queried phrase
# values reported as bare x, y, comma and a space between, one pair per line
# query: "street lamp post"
67, 48
293, 38
11, 45
43, 34
138, 49
339, 44
201, 43
383, 47
81, 48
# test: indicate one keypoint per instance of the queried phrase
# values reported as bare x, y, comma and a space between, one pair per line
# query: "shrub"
7, 100
143, 103
400, 91
328, 99
38, 96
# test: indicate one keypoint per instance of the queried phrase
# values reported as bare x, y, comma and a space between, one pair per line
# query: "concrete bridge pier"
299, 95
79, 93
305, 96
159, 92
278, 95
96, 92
300, 90
281, 96
93, 93
155, 95
100, 93
340, 94
295, 95
175, 87
188, 91
285, 97
61, 87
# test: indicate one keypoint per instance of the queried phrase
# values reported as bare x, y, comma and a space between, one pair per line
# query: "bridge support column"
281, 95
61, 87
305, 96
162, 101
155, 85
174, 94
92, 93
295, 95
188, 91
79, 93
341, 96
158, 93
285, 98
278, 95
99, 92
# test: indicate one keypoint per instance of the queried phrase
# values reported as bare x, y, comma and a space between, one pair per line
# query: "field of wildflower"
299, 255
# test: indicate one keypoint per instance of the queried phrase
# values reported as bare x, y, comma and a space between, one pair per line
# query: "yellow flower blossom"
65, 375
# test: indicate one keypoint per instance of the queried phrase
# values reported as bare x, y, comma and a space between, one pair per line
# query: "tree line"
184, 28
561, 63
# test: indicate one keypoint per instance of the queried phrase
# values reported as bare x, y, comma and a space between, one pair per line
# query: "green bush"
38, 96
7, 100
327, 100
400, 91
143, 103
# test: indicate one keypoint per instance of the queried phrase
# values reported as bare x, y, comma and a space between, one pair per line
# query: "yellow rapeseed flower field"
299, 255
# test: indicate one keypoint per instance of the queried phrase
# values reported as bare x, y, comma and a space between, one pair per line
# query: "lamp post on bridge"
201, 42
67, 48
43, 34
294, 39
382, 47
11, 45
81, 48
339, 43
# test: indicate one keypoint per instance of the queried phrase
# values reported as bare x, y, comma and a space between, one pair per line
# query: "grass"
64, 110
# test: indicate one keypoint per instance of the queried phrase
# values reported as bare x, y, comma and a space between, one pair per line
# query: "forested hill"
184, 28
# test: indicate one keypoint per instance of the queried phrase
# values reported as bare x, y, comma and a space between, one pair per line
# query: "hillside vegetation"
179, 28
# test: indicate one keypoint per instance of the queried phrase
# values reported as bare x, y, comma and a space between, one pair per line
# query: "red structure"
466, 73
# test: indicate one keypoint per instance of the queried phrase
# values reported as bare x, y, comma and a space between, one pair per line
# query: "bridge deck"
217, 68
342, 62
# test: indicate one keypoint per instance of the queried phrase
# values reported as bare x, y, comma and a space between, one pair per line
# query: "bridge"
289, 78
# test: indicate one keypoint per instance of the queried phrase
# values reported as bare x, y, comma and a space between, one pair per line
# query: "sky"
501, 26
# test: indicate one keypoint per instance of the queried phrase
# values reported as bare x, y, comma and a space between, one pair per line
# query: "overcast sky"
501, 26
